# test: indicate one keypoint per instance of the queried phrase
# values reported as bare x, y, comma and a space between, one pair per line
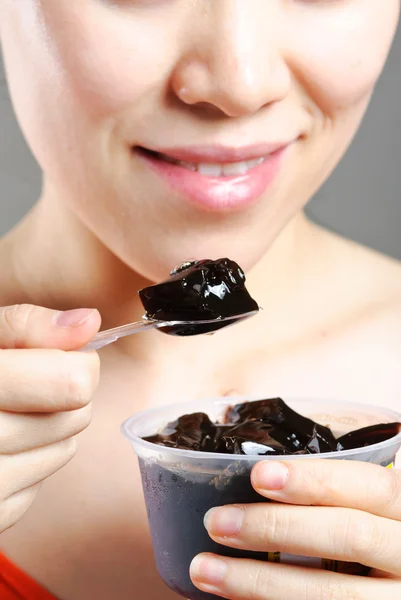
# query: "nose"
233, 63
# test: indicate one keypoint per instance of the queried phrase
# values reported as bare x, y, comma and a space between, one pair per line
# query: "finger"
334, 533
21, 471
21, 432
46, 380
16, 506
358, 485
27, 326
242, 579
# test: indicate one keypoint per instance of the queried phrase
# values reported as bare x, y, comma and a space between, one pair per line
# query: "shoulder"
370, 277
364, 293
362, 344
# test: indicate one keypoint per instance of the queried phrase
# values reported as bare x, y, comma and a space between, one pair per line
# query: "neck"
51, 259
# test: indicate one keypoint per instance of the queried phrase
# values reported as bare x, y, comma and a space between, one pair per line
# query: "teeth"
186, 165
238, 168
255, 162
216, 170
210, 170
228, 169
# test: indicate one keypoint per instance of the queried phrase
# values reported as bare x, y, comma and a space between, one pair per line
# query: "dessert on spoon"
198, 297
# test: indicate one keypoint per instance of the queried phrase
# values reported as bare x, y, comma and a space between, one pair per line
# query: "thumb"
27, 326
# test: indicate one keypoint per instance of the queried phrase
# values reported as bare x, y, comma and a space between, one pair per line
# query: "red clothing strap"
17, 585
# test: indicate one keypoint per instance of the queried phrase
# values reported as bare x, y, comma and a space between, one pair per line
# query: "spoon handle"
111, 335
108, 336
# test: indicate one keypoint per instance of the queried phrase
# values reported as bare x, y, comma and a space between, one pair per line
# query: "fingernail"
208, 569
224, 521
73, 318
270, 475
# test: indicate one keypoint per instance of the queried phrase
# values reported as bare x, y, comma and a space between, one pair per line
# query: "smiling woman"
168, 130
116, 78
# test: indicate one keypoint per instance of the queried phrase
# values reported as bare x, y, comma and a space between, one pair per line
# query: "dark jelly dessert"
265, 427
368, 436
192, 432
199, 291
295, 432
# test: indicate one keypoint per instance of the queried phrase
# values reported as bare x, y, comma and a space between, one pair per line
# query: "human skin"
92, 81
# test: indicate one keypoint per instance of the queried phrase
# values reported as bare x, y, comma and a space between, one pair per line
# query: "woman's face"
190, 128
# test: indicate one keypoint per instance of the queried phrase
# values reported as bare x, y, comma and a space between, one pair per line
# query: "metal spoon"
108, 336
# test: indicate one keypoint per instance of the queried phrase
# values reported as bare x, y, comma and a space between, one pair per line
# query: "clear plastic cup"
180, 486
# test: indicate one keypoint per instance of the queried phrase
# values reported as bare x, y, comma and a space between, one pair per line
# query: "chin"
156, 261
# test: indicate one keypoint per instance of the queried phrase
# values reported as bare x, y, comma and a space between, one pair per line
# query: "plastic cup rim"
136, 440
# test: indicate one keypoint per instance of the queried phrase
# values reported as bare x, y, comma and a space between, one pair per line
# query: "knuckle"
6, 435
323, 486
361, 538
337, 589
16, 317
14, 508
80, 388
80, 379
390, 488
62, 453
4, 482
58, 455
259, 582
70, 447
273, 525
85, 418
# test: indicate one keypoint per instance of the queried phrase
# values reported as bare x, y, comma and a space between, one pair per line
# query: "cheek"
339, 56
77, 77
33, 80
78, 68
109, 60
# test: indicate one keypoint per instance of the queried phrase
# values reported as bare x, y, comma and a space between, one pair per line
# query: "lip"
217, 193
220, 154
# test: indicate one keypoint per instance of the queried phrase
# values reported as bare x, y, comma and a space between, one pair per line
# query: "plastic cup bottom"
180, 486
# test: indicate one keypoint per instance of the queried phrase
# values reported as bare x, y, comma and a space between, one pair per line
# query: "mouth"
232, 169
213, 162
217, 178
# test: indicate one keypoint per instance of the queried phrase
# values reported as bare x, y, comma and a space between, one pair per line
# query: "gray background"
362, 200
